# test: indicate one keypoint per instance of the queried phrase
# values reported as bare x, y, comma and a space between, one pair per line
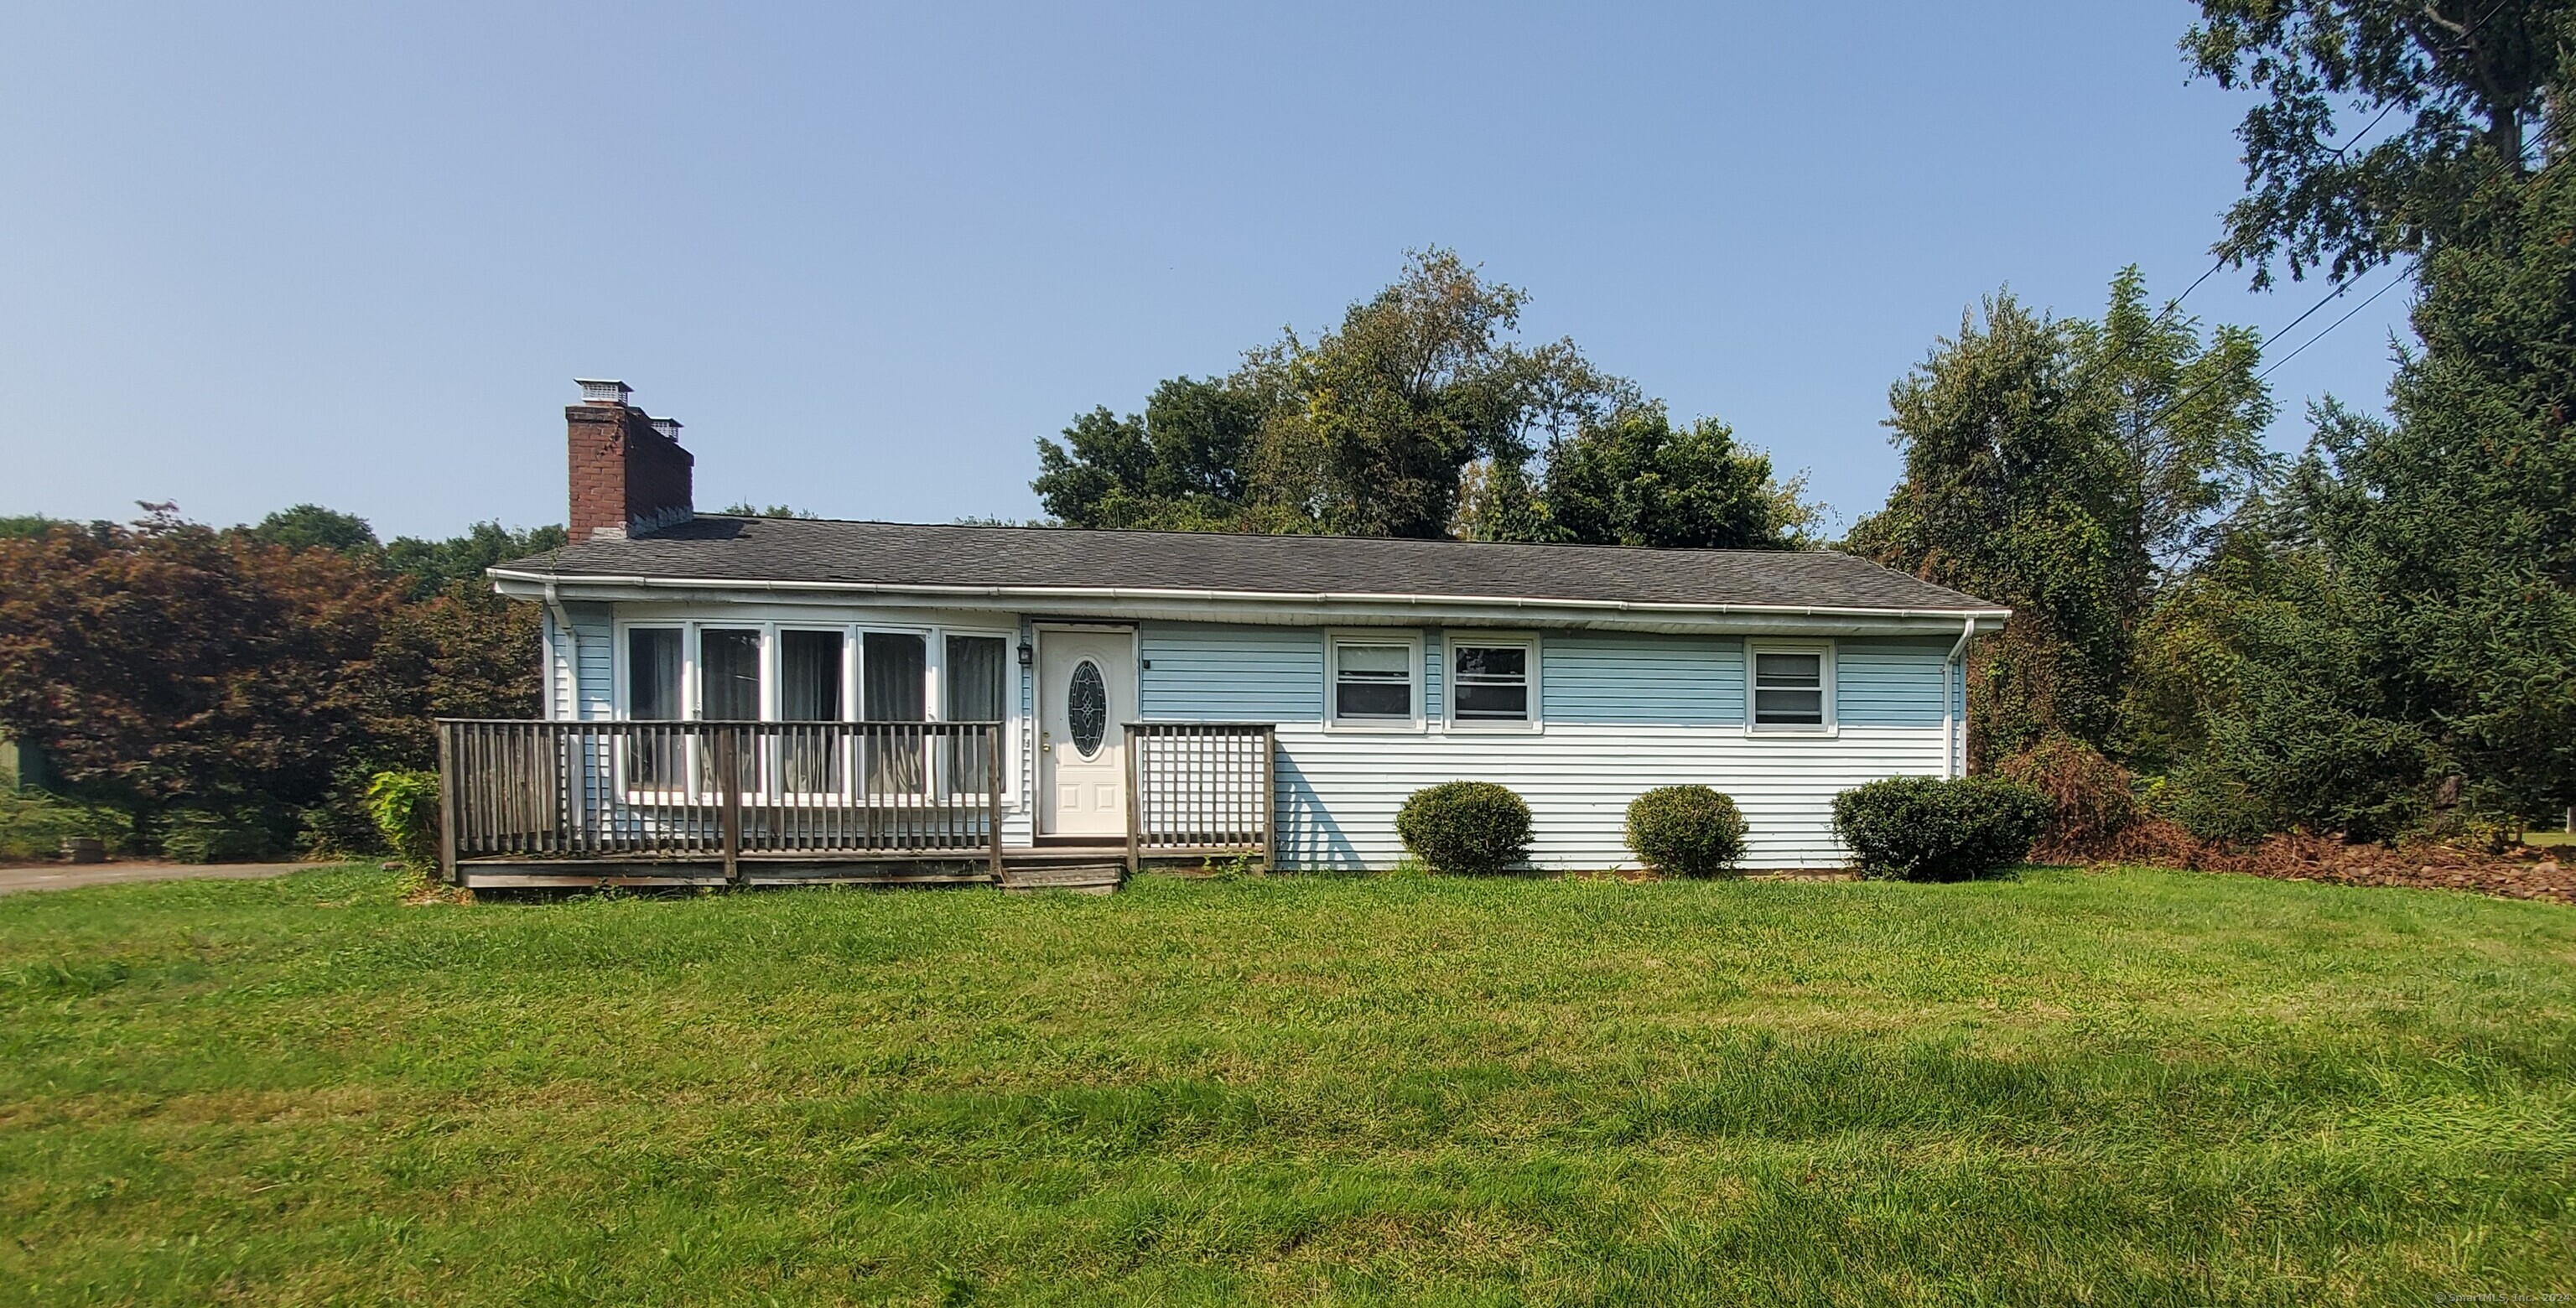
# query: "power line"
2329, 328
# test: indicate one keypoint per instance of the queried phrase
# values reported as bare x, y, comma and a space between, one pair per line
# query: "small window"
1789, 688
1490, 682
1372, 681
653, 674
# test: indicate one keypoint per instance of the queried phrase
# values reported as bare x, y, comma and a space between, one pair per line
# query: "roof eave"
1270, 608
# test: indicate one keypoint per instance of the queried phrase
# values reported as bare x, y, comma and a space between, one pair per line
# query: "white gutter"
1147, 595
572, 654
1951, 763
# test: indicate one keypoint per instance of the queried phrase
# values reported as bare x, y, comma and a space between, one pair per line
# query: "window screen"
1492, 683
1372, 681
1788, 690
653, 674
809, 681
729, 660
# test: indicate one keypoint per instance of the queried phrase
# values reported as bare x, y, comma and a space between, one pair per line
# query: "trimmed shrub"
221, 838
404, 804
1689, 831
1928, 829
1467, 827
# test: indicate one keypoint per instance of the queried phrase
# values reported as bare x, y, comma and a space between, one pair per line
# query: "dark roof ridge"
862, 553
1292, 535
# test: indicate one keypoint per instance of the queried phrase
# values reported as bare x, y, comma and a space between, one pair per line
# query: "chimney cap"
669, 427
599, 391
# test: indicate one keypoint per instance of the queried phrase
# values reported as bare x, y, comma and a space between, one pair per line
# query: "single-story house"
990, 696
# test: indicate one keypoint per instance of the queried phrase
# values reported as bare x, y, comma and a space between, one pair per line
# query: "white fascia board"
1268, 609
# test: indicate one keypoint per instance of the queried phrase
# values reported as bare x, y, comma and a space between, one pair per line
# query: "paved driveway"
64, 876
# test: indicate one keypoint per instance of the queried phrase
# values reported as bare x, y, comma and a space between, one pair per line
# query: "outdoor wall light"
1028, 655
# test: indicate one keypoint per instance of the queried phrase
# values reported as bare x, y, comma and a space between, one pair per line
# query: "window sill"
1796, 733
1472, 727
1374, 727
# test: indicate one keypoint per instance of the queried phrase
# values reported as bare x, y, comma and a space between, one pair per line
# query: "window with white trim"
729, 674
1493, 680
653, 674
1792, 687
1375, 681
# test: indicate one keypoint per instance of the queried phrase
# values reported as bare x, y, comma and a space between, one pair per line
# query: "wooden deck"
528, 805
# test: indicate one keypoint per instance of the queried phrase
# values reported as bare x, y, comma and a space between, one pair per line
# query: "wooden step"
1090, 877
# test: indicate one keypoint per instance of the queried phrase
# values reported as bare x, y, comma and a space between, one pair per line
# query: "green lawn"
2064, 1088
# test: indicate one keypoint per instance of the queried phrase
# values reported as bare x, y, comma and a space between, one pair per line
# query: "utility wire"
2329, 328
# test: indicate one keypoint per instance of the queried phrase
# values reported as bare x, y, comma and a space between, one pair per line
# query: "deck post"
1269, 800
1135, 802
729, 779
993, 795
447, 803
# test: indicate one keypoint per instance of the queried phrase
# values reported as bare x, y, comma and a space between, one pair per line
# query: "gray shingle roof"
892, 554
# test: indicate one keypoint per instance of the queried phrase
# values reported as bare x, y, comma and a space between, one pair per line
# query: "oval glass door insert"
1086, 708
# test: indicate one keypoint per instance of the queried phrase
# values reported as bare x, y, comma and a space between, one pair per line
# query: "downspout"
572, 654
1951, 709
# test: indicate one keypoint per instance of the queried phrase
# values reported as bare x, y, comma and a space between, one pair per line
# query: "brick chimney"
629, 474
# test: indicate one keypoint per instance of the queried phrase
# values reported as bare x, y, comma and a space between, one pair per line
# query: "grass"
2139, 1087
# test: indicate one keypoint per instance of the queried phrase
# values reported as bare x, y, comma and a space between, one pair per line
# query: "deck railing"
708, 791
1201, 789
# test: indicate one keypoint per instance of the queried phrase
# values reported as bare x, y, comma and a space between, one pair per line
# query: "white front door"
1086, 690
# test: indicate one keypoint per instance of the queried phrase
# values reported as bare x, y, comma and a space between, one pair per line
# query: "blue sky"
259, 254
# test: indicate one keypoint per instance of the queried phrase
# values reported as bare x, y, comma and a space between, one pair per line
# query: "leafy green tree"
2048, 464
310, 526
1371, 429
1419, 382
1633, 479
2466, 82
1180, 464
431, 567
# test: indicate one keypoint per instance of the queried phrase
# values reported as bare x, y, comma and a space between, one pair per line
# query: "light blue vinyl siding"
1599, 677
1889, 683
596, 676
1230, 674
1435, 664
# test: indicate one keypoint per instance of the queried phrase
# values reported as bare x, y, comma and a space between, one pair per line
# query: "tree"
2466, 80
1180, 464
431, 567
1369, 430
2047, 463
1419, 382
2260, 692
2460, 513
1632, 479
165, 665
310, 526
